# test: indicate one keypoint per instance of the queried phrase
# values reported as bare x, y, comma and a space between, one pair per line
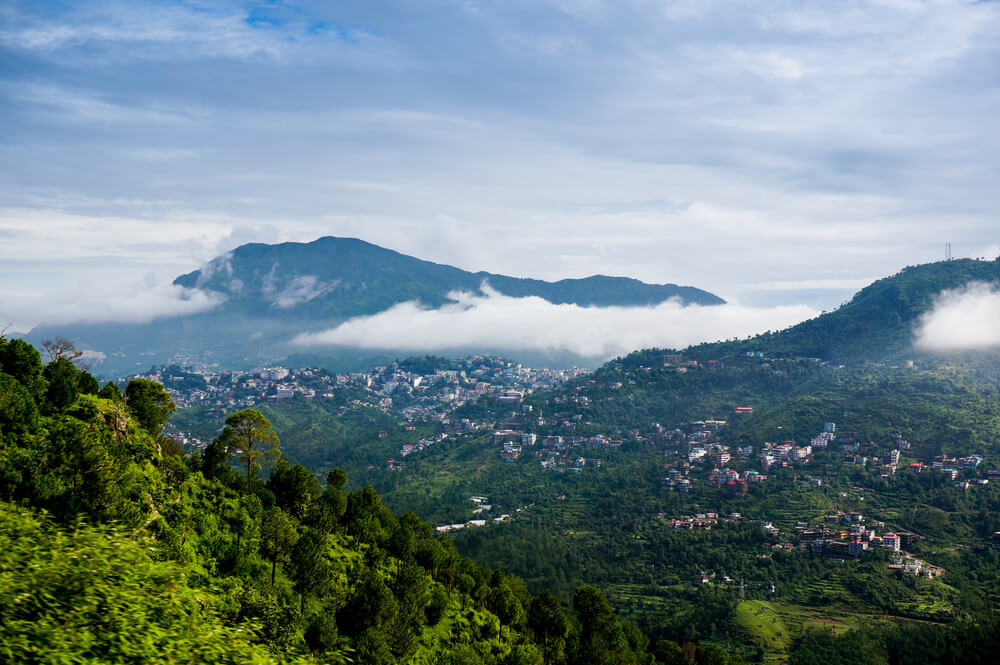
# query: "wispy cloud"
502, 323
962, 320
296, 290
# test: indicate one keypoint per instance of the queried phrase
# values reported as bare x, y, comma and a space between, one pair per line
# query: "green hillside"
876, 324
117, 547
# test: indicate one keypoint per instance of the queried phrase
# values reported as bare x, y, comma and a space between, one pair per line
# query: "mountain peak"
348, 276
878, 322
269, 294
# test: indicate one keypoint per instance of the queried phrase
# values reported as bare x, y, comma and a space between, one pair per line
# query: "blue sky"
773, 153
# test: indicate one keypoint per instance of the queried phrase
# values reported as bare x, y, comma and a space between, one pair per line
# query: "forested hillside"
877, 324
117, 547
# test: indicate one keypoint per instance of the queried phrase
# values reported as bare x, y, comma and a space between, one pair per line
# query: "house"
891, 541
510, 452
856, 548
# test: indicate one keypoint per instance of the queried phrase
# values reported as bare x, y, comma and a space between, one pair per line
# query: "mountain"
878, 323
271, 293
337, 278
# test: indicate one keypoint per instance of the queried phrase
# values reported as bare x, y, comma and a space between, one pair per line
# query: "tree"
371, 605
337, 478
602, 639
62, 388
110, 391
549, 624
278, 536
23, 362
310, 569
92, 594
18, 412
248, 435
213, 461
669, 653
150, 404
294, 488
61, 347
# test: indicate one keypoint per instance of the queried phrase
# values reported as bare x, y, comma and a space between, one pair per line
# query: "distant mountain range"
338, 278
274, 292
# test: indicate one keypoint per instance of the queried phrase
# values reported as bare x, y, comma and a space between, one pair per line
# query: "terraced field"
774, 627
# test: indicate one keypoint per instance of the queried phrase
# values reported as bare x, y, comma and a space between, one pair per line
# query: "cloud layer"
111, 303
502, 323
962, 320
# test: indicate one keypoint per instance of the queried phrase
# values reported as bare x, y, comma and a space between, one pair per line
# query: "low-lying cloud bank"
111, 303
962, 320
498, 322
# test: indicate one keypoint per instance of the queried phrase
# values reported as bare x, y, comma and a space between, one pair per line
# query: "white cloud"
295, 291
103, 302
503, 323
962, 319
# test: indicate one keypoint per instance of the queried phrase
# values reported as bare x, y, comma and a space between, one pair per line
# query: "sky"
781, 154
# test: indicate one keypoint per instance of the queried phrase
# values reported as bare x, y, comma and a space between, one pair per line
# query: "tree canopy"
249, 437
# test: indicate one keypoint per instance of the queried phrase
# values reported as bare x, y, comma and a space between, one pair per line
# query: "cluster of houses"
236, 389
677, 481
554, 450
848, 535
410, 448
951, 467
733, 481
783, 455
408, 395
703, 521
392, 388
482, 506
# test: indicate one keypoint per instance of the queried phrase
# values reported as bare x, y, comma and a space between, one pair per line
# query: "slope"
876, 324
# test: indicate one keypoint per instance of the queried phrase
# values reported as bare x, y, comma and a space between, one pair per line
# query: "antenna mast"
947, 251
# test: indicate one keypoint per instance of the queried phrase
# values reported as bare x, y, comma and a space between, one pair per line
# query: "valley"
697, 489
740, 496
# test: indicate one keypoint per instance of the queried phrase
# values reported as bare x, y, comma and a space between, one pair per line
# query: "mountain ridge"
271, 293
877, 323
349, 276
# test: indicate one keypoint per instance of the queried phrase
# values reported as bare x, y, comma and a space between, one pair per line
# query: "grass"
767, 628
774, 626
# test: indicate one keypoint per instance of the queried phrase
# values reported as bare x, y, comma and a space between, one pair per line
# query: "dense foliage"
115, 547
